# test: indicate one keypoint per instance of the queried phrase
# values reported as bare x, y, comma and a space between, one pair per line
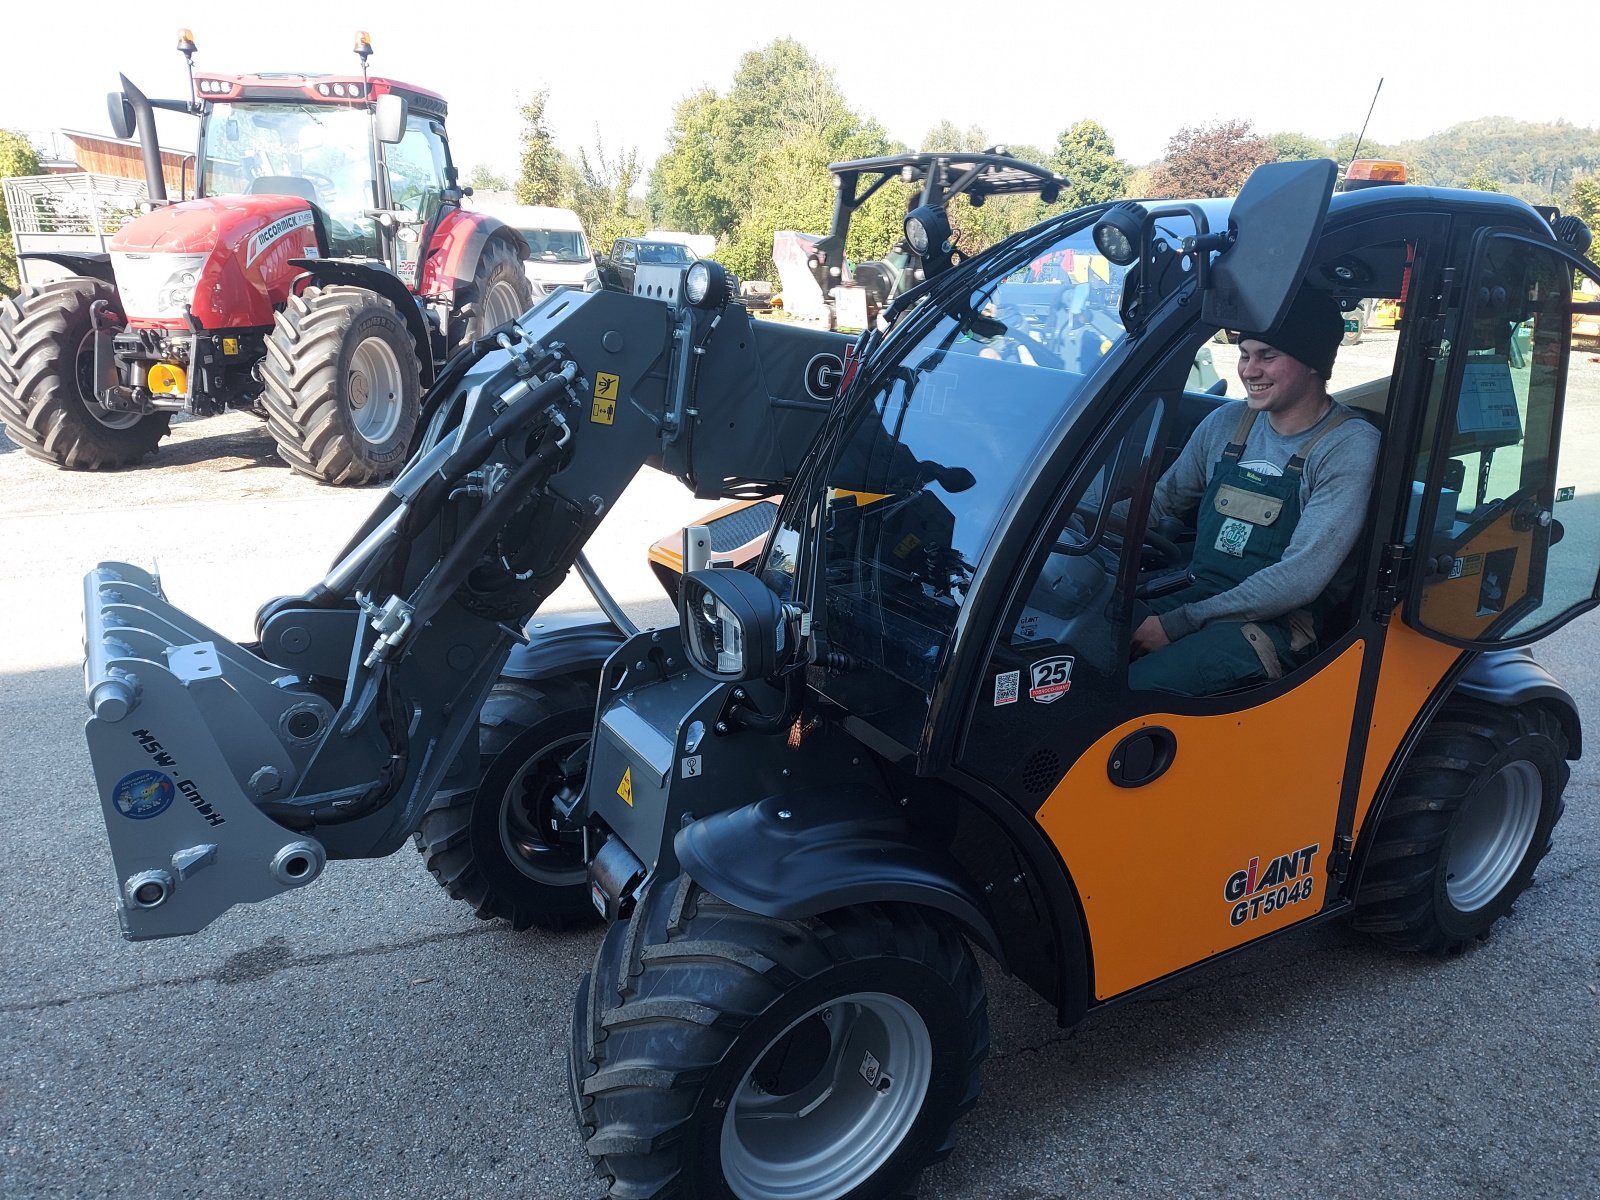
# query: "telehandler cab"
908, 734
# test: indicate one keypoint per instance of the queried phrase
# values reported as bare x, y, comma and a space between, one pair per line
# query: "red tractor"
320, 277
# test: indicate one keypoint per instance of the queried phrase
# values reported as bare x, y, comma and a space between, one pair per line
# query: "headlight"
928, 231
156, 286
732, 624
1117, 234
706, 284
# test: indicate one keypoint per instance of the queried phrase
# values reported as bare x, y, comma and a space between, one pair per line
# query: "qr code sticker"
1006, 687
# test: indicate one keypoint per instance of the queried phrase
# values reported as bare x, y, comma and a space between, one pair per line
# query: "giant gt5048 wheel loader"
910, 734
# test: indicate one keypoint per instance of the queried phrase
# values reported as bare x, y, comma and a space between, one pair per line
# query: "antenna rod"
1362, 136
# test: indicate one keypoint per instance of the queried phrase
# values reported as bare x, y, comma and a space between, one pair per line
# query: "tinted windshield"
319, 153
557, 245
669, 253
929, 458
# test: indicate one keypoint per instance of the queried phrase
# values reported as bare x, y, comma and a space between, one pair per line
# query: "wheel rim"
85, 380
828, 1100
502, 304
525, 812
1492, 834
374, 387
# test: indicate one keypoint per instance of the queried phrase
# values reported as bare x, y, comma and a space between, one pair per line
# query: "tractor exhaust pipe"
132, 111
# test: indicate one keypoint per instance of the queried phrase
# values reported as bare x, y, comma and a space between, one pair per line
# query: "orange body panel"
1160, 868
1413, 665
1452, 605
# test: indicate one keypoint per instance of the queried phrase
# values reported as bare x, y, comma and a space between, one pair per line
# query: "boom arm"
230, 773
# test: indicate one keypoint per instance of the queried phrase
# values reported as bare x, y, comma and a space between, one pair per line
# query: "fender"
456, 244
810, 851
1512, 677
387, 284
561, 644
96, 264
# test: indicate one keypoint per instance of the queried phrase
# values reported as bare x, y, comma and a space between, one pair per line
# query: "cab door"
1508, 499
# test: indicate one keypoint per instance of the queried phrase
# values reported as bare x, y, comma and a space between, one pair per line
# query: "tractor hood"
225, 258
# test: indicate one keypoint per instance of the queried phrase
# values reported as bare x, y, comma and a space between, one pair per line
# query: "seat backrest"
283, 185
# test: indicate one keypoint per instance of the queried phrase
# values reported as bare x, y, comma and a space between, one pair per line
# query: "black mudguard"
809, 852
1513, 677
94, 264
563, 644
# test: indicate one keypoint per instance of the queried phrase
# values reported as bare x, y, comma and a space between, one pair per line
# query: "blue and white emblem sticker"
143, 794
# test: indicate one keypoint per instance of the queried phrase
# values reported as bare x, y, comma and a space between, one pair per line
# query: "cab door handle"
1142, 757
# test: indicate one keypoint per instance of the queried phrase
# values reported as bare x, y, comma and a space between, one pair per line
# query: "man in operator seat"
1278, 503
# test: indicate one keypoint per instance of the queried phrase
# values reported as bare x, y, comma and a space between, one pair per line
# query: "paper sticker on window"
1006, 687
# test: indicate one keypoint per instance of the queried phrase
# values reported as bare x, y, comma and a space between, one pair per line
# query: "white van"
560, 248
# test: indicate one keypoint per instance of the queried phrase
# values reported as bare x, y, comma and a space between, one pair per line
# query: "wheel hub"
828, 1100
1492, 834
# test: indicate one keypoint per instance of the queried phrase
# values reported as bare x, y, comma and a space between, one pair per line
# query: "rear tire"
500, 291
491, 846
47, 381
721, 1055
1467, 823
343, 387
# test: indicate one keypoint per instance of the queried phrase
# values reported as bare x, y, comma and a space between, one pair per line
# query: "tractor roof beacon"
320, 276
909, 734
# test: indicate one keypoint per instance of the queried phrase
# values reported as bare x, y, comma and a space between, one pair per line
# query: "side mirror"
389, 118
1275, 221
732, 623
121, 112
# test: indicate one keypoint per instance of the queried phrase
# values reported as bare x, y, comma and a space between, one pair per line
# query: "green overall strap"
1234, 450
1297, 464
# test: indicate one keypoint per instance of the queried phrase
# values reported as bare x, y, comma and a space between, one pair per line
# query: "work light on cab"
1118, 233
706, 285
928, 228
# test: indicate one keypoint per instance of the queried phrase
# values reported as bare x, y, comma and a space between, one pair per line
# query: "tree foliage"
603, 196
1583, 199
745, 164
485, 178
17, 157
1297, 147
1211, 160
544, 175
1087, 158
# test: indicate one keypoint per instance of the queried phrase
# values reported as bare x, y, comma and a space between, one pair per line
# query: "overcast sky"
1022, 73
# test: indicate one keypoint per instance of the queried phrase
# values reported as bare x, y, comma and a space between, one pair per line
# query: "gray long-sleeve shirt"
1334, 490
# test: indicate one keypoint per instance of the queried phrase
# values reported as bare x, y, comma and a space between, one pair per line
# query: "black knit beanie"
1310, 331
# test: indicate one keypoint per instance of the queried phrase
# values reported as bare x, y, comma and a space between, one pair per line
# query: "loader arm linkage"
230, 773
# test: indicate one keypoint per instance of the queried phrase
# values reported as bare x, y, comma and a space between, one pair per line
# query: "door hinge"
1391, 579
1339, 857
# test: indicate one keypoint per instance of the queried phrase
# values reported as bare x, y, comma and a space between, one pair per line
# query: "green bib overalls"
1245, 522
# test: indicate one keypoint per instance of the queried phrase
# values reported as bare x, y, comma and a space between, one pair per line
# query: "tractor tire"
720, 1055
1469, 820
47, 381
490, 846
500, 291
343, 386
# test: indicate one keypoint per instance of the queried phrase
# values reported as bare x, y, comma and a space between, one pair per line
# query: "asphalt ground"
367, 1036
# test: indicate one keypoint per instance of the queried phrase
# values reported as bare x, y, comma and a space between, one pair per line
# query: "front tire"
1469, 820
721, 1055
500, 291
492, 846
47, 385
343, 386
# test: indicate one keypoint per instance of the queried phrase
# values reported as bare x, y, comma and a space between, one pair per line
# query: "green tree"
1297, 147
603, 197
1211, 160
17, 157
685, 192
1480, 181
946, 135
1584, 200
485, 178
544, 176
1087, 158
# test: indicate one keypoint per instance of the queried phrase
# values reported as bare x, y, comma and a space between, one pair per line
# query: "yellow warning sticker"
625, 788
606, 389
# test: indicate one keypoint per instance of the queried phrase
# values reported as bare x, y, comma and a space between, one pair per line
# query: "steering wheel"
322, 184
1161, 551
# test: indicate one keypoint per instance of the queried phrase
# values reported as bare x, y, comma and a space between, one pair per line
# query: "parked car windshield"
557, 245
667, 253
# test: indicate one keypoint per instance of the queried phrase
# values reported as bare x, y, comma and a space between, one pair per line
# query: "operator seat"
283, 185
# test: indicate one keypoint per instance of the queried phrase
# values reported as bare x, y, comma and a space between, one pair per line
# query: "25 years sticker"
143, 794
1050, 679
